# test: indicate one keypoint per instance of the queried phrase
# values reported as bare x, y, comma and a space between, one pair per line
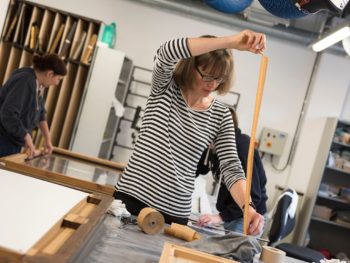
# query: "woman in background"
22, 104
230, 214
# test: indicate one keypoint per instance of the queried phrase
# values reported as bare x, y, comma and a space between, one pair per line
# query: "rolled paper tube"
183, 232
150, 221
169, 231
272, 255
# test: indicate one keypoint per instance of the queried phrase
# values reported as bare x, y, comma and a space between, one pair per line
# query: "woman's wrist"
251, 204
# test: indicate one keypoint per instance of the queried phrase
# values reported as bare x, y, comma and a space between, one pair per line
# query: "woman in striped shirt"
181, 119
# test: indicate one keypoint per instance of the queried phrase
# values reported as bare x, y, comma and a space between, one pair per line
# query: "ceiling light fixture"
331, 38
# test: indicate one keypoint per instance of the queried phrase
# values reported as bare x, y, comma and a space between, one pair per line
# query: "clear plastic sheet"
76, 169
114, 242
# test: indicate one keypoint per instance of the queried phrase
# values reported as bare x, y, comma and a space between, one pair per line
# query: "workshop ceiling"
303, 30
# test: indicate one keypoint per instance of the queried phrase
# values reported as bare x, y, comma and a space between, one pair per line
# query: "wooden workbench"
114, 242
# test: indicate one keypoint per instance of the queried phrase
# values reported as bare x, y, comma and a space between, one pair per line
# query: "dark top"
21, 108
225, 204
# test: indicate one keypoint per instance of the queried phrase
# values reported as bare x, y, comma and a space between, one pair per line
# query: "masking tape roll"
272, 255
150, 221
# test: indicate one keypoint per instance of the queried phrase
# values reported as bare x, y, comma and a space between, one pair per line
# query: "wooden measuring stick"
259, 93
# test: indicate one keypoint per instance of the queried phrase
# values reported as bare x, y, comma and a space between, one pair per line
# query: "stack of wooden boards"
30, 28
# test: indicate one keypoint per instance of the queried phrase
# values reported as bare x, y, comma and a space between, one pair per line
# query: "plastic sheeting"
114, 242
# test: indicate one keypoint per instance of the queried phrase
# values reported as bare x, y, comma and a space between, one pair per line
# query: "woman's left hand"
48, 148
256, 222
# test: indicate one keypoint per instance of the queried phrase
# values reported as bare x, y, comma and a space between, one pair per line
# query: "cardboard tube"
272, 255
150, 221
183, 232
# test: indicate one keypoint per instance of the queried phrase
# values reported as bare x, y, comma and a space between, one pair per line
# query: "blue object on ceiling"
283, 8
229, 6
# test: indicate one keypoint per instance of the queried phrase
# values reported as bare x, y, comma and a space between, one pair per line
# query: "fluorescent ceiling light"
331, 38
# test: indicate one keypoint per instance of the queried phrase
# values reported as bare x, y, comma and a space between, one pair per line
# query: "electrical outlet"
272, 141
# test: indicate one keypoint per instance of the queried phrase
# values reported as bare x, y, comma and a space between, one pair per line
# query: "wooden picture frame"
178, 254
53, 173
66, 237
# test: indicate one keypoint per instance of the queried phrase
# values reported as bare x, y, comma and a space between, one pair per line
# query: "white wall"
329, 91
141, 29
345, 115
3, 9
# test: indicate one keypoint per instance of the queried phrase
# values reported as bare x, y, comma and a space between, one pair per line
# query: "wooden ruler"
259, 94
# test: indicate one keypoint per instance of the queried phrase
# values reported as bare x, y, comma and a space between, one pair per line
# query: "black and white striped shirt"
161, 170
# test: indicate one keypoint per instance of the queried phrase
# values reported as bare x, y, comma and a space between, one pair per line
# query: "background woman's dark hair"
234, 117
50, 62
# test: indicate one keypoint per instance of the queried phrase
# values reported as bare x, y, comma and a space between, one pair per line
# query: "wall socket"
272, 141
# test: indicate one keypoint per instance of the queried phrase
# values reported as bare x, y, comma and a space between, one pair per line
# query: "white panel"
30, 207
3, 9
346, 107
330, 87
104, 77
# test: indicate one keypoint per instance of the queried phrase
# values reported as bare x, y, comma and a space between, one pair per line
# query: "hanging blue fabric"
229, 6
283, 8
290, 9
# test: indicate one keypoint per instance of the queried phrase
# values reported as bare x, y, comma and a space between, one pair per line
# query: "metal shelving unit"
326, 221
128, 126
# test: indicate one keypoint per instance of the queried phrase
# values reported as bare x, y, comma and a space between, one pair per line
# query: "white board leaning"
30, 207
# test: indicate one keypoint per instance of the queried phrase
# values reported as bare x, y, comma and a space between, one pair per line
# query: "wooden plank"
58, 178
95, 160
262, 76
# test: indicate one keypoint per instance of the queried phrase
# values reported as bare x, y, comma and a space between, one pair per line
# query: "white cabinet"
98, 100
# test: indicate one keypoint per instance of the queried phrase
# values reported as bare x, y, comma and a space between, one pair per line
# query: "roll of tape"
150, 221
272, 255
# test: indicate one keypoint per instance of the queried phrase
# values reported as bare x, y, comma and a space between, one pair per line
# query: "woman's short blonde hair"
217, 63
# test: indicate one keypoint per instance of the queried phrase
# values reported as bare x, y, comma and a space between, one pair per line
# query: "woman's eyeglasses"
206, 78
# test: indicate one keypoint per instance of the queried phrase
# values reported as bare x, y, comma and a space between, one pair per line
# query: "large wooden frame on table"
64, 239
173, 253
17, 162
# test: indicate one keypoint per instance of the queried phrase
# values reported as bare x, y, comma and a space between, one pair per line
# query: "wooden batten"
94, 160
